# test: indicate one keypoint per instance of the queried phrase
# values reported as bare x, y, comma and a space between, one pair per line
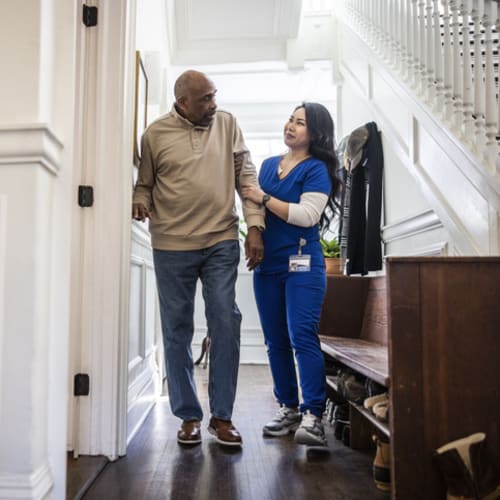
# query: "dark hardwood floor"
81, 473
156, 467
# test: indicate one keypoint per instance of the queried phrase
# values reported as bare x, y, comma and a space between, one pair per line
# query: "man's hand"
254, 248
140, 212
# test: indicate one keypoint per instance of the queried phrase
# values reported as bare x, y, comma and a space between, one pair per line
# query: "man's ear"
181, 103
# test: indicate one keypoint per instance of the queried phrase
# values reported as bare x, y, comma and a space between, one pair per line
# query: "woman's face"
296, 135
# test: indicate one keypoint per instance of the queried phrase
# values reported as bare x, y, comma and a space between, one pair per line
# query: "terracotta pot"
334, 265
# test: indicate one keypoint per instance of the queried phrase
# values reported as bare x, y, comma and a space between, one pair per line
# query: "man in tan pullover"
192, 160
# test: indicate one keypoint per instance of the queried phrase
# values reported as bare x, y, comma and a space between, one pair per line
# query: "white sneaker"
310, 431
286, 420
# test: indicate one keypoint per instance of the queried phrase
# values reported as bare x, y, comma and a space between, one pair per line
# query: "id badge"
299, 263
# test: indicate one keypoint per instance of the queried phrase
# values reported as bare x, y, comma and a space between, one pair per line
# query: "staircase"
417, 68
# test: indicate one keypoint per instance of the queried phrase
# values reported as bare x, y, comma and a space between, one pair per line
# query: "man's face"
199, 106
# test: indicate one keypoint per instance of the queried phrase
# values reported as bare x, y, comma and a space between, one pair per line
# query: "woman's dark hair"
322, 135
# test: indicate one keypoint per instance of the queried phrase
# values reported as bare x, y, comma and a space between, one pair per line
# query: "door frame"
101, 238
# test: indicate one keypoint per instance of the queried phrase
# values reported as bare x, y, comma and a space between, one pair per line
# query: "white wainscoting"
144, 372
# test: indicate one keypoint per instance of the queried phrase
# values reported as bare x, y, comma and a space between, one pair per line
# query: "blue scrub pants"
177, 273
289, 306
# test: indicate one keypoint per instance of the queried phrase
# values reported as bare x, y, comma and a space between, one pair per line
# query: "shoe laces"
309, 420
283, 412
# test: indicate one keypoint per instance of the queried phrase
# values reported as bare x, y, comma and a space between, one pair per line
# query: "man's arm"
253, 213
246, 174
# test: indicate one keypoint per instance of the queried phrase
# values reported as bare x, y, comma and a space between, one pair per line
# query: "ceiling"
230, 31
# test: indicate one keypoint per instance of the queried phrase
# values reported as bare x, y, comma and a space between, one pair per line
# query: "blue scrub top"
281, 239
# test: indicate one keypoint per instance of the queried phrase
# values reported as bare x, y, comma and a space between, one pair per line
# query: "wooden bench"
429, 331
353, 332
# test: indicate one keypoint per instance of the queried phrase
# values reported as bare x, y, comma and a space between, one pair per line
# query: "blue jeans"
289, 307
177, 273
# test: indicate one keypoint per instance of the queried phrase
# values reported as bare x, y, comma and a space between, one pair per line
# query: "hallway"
156, 467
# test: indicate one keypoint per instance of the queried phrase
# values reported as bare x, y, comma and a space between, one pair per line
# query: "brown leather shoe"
190, 432
225, 432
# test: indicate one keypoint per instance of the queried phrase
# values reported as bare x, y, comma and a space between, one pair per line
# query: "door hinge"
85, 196
81, 384
89, 17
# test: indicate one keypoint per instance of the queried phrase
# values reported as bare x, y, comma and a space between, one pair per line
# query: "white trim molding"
34, 486
105, 238
30, 143
437, 249
411, 226
141, 235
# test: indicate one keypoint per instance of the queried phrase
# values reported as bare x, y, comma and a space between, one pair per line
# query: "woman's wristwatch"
265, 199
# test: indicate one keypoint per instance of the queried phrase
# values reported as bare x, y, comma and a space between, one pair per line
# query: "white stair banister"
438, 58
409, 42
421, 46
447, 62
447, 52
457, 80
467, 81
479, 90
430, 90
497, 159
491, 124
415, 45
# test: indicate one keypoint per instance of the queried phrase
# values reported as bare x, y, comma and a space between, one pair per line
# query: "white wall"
36, 148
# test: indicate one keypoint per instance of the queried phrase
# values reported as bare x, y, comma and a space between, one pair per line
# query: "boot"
488, 486
340, 419
382, 465
467, 473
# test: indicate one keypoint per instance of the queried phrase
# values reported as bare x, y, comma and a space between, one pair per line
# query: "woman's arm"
306, 213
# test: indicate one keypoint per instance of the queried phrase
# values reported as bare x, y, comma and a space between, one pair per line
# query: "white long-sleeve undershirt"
308, 211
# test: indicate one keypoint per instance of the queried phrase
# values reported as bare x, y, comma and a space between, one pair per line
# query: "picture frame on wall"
141, 106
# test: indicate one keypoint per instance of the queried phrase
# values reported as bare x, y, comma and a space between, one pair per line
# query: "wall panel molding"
35, 486
411, 226
30, 144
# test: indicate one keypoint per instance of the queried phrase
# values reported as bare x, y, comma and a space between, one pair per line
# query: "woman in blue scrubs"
298, 190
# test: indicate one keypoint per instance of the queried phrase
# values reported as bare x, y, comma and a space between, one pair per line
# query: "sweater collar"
186, 122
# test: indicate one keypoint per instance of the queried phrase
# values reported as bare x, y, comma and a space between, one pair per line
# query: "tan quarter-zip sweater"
187, 176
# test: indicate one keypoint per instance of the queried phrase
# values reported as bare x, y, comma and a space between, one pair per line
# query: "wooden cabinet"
442, 332
444, 359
